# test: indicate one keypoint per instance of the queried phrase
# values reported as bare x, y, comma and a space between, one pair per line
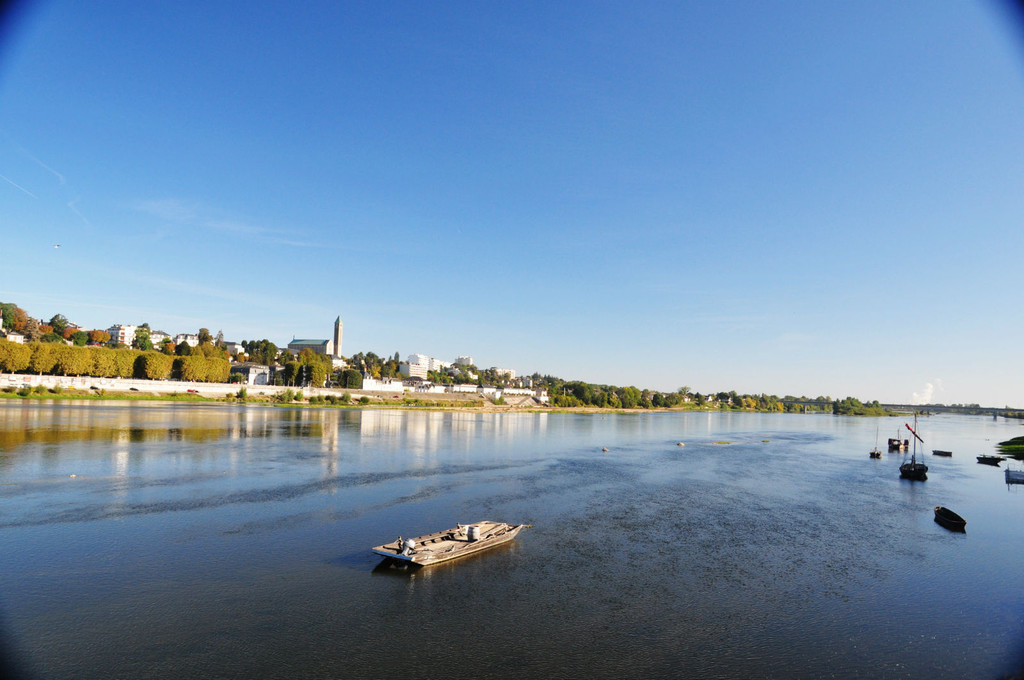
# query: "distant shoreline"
86, 388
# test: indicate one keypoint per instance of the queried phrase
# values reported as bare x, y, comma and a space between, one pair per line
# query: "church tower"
337, 338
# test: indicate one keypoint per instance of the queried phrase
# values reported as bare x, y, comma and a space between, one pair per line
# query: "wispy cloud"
28, 154
73, 205
171, 210
71, 202
195, 214
18, 186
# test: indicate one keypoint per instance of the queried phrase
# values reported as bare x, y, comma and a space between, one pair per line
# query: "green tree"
153, 366
142, 340
218, 370
629, 397
102, 362
183, 349
292, 373
192, 368
31, 329
44, 358
72, 360
351, 379
204, 336
14, 356
317, 375
260, 351
14, 316
80, 338
124, 362
59, 322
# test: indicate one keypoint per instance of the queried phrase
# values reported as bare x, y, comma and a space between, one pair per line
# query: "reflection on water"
182, 540
25, 423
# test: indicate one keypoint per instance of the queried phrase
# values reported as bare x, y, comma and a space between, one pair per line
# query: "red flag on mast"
914, 433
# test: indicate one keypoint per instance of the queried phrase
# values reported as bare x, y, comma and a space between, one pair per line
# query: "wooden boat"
937, 452
875, 452
949, 519
990, 460
1014, 476
897, 445
912, 469
450, 544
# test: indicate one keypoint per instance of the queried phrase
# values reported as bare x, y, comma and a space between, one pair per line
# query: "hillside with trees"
91, 353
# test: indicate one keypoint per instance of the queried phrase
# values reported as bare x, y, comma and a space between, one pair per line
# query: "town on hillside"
33, 348
202, 357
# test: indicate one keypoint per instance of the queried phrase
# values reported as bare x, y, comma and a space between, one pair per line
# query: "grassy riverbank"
298, 400
287, 398
1012, 447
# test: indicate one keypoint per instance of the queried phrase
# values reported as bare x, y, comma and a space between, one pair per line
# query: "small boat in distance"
949, 519
450, 544
875, 452
991, 460
937, 452
897, 445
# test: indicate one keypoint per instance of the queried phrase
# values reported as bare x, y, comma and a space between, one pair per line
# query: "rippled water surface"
177, 540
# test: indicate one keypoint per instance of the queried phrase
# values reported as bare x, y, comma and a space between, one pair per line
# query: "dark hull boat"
949, 519
946, 454
990, 460
912, 469
897, 445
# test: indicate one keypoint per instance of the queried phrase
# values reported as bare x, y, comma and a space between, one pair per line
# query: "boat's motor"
407, 546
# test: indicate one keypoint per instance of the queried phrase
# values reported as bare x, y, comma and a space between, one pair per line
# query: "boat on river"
939, 452
912, 469
1014, 476
949, 519
875, 452
990, 460
450, 544
897, 445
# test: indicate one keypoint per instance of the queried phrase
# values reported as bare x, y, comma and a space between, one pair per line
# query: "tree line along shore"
209, 364
58, 348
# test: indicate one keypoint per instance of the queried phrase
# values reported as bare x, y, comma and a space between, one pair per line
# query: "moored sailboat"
875, 452
912, 469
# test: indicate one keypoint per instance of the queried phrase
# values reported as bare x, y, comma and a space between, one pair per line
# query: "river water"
142, 540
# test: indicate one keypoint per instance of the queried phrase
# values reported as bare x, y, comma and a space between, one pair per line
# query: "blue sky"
784, 197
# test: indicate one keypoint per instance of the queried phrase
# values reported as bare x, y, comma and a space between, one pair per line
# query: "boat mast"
917, 438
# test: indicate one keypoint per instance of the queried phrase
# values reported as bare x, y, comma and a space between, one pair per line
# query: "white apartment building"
191, 339
418, 365
123, 333
413, 370
501, 371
